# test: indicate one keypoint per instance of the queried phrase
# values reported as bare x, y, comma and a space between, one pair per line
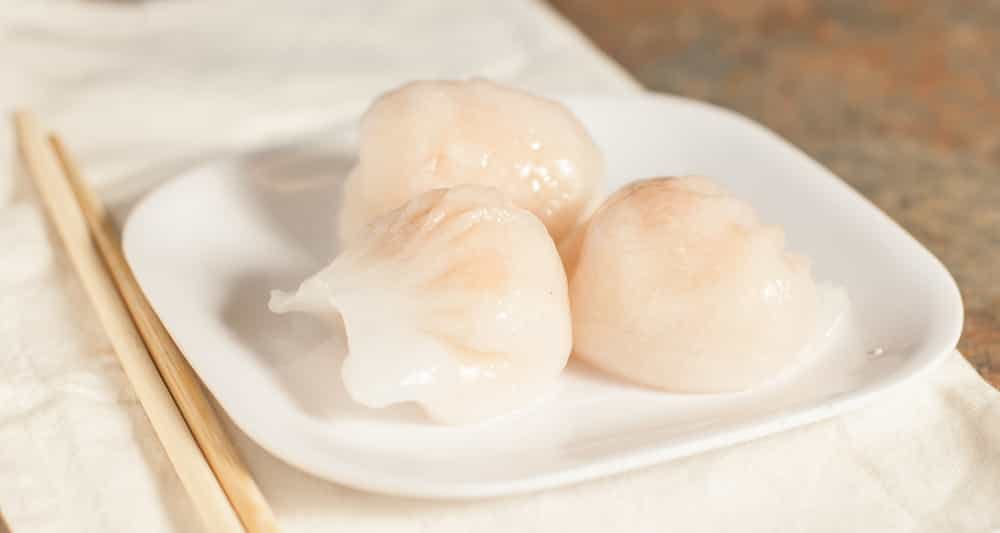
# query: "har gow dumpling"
456, 301
436, 134
675, 284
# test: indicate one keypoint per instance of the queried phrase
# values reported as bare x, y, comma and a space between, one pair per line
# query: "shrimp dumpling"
456, 301
675, 284
433, 134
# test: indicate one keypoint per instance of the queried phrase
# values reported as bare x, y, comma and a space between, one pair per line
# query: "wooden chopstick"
193, 470
223, 497
187, 391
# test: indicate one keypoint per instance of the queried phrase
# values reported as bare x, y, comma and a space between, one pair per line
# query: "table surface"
900, 102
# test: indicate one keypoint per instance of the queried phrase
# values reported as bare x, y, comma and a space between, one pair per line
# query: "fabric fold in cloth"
142, 90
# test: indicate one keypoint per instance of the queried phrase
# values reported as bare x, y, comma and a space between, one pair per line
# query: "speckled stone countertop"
901, 99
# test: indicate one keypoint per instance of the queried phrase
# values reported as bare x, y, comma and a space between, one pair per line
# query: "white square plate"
209, 245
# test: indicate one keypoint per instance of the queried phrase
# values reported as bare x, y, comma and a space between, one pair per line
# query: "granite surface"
901, 99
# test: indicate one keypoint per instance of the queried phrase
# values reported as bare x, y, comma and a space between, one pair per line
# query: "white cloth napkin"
143, 89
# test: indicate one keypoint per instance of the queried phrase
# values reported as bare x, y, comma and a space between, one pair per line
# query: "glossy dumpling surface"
434, 134
457, 301
675, 284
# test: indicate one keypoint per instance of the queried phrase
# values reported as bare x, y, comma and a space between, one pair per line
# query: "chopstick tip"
21, 114
25, 124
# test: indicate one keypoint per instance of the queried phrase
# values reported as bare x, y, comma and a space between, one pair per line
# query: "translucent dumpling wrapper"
675, 284
434, 134
456, 301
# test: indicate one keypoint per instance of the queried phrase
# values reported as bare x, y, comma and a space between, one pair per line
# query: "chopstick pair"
219, 484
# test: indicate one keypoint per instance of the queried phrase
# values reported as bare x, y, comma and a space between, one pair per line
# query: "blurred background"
899, 98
